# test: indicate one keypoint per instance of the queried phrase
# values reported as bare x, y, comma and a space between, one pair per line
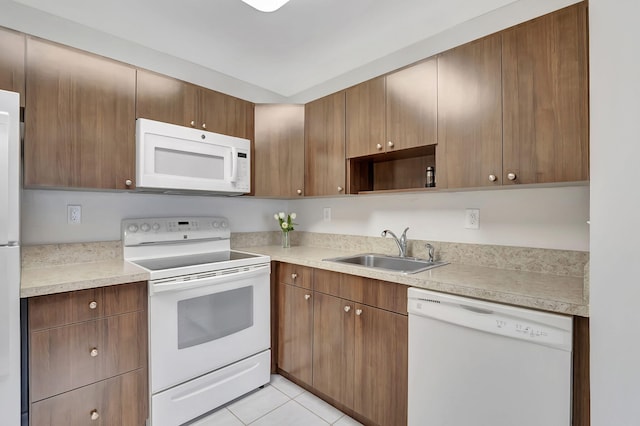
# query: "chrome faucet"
401, 242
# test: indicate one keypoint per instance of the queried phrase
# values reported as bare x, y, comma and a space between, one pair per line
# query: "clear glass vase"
286, 243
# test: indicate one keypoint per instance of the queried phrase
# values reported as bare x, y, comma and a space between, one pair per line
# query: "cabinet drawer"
83, 305
121, 401
297, 275
65, 358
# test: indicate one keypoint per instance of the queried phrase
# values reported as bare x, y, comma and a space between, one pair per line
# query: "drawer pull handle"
358, 311
94, 352
307, 296
95, 415
347, 308
294, 276
93, 305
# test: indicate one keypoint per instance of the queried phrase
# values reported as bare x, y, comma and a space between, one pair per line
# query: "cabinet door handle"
358, 311
193, 123
347, 308
294, 276
493, 178
379, 146
93, 304
94, 352
307, 296
511, 176
204, 126
299, 191
128, 182
390, 144
340, 189
94, 415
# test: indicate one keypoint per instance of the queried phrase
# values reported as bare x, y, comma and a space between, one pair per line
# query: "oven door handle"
164, 287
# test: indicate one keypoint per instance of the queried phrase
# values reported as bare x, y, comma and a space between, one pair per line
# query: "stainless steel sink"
405, 265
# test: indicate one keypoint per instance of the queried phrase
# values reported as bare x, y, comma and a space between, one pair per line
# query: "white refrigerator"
9, 258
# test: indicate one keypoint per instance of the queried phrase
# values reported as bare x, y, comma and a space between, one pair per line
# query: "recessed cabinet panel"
365, 118
165, 99
469, 148
295, 331
12, 62
546, 98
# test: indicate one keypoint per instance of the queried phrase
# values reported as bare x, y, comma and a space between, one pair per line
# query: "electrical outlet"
472, 218
74, 214
326, 214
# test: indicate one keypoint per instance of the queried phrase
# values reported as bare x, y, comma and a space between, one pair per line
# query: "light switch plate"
472, 218
326, 214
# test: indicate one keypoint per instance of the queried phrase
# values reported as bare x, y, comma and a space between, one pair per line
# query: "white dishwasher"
486, 364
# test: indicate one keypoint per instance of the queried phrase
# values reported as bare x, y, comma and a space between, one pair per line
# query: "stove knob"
155, 227
145, 227
132, 228
223, 224
216, 224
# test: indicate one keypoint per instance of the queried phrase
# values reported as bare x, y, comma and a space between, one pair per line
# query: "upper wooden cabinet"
470, 115
393, 112
79, 119
325, 166
279, 150
12, 62
166, 99
546, 99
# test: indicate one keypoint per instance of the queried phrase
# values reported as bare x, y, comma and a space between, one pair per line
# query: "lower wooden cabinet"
88, 357
359, 343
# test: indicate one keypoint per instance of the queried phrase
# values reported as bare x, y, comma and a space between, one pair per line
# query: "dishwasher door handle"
477, 310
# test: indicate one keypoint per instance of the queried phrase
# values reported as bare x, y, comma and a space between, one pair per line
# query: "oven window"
213, 316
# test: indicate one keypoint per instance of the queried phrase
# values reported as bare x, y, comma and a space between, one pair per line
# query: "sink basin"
405, 265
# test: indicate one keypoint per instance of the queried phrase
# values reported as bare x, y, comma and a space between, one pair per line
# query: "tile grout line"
271, 411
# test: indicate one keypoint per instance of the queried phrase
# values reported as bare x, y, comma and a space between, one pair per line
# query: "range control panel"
174, 229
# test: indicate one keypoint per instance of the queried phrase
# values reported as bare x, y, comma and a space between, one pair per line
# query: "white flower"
293, 215
285, 225
281, 214
275, 216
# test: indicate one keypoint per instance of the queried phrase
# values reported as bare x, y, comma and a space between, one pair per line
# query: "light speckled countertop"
548, 292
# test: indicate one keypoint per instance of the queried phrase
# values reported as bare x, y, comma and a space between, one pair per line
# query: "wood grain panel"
327, 282
221, 113
79, 119
64, 308
365, 118
325, 165
279, 147
402, 174
123, 344
470, 115
581, 378
121, 401
122, 298
333, 348
295, 331
12, 46
546, 98
412, 106
300, 276
381, 373
382, 294
162, 98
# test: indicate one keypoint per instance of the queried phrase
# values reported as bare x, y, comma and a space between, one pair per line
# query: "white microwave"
172, 158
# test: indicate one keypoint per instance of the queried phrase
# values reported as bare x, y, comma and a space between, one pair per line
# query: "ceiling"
301, 45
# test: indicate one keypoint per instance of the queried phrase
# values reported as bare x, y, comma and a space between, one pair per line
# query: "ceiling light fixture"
266, 5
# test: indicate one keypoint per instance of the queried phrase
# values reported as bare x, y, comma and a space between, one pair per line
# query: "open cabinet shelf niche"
394, 172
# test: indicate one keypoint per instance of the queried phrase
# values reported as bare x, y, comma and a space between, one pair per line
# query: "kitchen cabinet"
88, 356
546, 98
470, 115
295, 321
325, 168
279, 150
79, 119
166, 99
12, 62
365, 118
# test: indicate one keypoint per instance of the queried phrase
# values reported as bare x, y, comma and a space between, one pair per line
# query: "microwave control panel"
243, 182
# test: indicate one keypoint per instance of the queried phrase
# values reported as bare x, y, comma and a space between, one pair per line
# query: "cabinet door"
121, 401
365, 118
279, 150
325, 165
222, 113
381, 365
412, 106
333, 340
470, 115
546, 97
166, 99
12, 62
79, 119
295, 331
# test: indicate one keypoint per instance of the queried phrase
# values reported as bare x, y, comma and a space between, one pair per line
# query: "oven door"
201, 325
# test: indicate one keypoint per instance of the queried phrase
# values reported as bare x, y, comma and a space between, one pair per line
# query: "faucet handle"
430, 249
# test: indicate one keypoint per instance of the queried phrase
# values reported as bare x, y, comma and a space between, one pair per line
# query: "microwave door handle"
234, 165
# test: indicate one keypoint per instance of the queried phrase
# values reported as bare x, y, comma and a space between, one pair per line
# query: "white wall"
542, 217
615, 207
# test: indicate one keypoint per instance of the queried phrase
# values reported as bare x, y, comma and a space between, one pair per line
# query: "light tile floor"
280, 403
